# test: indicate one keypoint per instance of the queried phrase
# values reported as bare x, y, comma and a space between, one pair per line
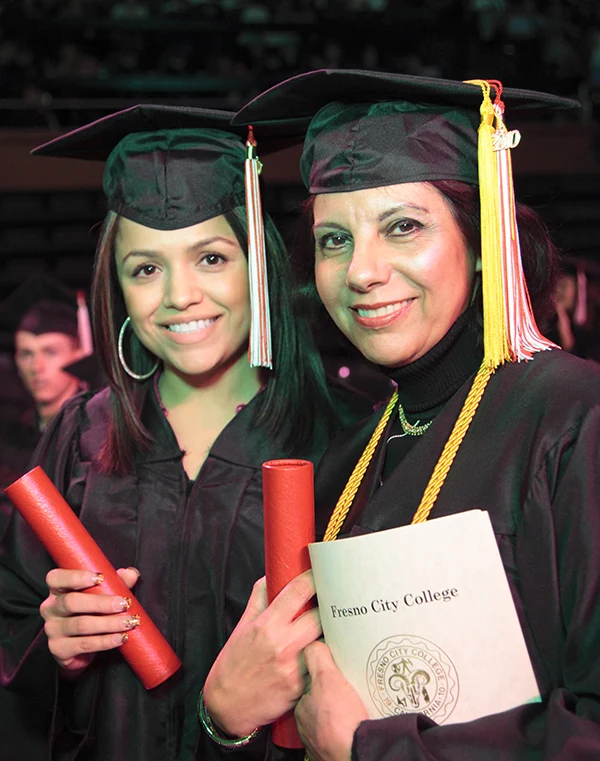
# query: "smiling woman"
427, 264
164, 467
186, 290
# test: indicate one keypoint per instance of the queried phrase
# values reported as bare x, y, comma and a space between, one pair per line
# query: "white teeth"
381, 311
190, 327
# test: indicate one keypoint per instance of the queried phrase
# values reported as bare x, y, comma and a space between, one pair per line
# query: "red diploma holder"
71, 546
289, 508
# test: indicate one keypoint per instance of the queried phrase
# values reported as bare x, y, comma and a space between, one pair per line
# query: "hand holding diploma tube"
71, 547
260, 674
288, 496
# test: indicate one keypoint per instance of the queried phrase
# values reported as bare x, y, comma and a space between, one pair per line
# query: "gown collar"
432, 379
240, 442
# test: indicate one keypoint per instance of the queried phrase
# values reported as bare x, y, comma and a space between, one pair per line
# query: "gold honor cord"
439, 472
347, 496
451, 448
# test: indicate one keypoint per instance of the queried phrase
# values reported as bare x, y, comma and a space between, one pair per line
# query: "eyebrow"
401, 207
381, 218
329, 226
145, 253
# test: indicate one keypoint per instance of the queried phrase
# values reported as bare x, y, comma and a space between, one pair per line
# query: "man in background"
42, 317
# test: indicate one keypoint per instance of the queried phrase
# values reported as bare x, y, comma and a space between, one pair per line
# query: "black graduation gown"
531, 458
19, 436
23, 724
199, 548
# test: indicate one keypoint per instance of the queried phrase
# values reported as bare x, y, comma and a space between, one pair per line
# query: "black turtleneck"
424, 386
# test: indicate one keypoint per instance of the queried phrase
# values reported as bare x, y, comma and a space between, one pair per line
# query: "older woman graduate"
417, 260
164, 467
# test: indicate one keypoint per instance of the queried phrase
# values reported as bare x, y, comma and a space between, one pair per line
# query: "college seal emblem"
412, 675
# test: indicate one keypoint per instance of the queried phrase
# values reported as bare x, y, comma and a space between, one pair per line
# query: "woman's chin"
387, 356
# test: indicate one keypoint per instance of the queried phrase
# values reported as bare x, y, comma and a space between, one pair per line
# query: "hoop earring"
124, 365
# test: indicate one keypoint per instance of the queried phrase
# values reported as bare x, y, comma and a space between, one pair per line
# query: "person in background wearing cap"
487, 413
44, 344
164, 466
46, 341
574, 324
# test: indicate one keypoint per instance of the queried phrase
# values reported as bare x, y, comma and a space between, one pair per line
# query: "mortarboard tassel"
84, 328
260, 350
510, 330
580, 314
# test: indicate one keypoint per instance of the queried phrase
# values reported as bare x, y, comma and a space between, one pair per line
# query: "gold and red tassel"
260, 352
510, 331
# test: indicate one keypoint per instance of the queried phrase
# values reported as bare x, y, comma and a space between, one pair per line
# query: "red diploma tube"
289, 507
71, 546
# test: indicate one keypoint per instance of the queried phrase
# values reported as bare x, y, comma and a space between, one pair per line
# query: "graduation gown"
531, 458
24, 724
19, 436
199, 548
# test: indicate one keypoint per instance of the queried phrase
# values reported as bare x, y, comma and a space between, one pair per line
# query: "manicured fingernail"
131, 622
121, 604
121, 639
97, 578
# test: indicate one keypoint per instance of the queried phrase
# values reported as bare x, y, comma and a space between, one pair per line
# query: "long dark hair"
538, 253
281, 410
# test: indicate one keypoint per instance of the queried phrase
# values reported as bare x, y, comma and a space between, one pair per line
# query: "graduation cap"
367, 129
40, 305
89, 371
372, 129
169, 167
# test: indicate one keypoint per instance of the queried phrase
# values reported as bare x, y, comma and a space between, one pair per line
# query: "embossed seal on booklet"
420, 619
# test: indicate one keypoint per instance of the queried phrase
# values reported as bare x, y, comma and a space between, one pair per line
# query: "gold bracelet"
211, 730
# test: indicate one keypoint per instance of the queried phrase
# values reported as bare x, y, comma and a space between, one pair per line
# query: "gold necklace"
409, 428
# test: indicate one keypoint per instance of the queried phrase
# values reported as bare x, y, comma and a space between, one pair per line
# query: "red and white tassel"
260, 349
84, 327
580, 314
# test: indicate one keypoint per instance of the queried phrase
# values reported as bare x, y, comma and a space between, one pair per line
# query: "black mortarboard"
40, 305
89, 371
167, 167
369, 129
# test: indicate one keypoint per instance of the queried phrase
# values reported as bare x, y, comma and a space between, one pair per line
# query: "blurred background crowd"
225, 51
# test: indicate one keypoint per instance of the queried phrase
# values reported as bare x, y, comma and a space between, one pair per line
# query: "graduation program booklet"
421, 619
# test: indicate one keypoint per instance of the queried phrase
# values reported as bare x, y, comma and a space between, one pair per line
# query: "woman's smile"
191, 331
380, 316
193, 326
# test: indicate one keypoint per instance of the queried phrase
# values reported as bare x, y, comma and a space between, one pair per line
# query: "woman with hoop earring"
164, 466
